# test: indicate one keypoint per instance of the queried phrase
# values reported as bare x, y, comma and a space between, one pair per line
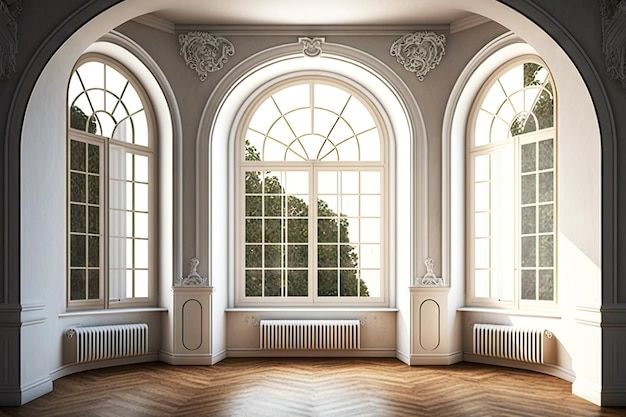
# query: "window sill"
112, 311
311, 309
512, 312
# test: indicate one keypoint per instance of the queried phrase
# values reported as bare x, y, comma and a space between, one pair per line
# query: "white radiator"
510, 342
97, 343
310, 334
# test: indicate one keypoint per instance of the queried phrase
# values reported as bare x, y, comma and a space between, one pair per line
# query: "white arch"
215, 155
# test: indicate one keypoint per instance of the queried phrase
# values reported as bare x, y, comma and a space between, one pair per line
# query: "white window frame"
516, 142
312, 167
103, 302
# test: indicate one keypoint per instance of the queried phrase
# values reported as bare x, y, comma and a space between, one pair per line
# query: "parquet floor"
309, 387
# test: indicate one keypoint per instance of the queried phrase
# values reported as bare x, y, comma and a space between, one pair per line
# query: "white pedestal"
432, 339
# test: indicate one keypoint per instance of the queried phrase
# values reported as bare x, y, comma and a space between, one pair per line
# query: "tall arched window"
511, 206
311, 196
111, 187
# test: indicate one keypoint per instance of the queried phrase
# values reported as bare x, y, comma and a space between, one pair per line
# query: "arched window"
111, 187
511, 205
311, 196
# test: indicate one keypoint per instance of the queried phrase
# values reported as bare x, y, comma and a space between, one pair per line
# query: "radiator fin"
98, 343
310, 334
509, 342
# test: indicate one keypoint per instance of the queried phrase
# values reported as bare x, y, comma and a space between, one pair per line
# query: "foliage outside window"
312, 197
110, 187
512, 184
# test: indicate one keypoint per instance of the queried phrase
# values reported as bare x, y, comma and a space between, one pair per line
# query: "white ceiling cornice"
467, 23
295, 30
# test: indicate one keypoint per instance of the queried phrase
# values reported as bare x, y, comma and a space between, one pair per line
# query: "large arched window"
111, 187
311, 196
511, 205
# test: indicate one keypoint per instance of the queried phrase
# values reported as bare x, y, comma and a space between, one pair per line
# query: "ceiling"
311, 12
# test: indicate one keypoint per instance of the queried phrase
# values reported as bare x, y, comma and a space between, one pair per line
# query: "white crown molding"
156, 22
312, 30
468, 22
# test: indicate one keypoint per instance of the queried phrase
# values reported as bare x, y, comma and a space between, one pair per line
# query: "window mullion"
312, 240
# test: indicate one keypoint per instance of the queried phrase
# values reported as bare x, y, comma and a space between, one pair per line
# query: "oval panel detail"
192, 324
430, 322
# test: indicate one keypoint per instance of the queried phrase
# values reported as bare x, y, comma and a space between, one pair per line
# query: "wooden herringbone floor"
309, 387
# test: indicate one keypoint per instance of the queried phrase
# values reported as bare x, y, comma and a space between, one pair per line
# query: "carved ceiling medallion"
9, 12
204, 52
614, 38
419, 52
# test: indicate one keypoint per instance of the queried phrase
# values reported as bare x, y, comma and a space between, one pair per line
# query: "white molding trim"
403, 357
361, 353
436, 358
190, 359
468, 22
81, 367
512, 312
309, 30
589, 391
36, 389
545, 368
156, 22
113, 311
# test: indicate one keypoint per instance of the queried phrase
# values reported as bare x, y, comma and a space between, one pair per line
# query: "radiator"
96, 343
310, 334
510, 342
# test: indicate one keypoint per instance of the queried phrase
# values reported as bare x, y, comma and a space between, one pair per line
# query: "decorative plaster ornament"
429, 279
9, 12
194, 279
614, 38
204, 52
312, 47
419, 52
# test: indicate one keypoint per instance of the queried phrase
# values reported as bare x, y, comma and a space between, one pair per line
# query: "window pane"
350, 205
529, 257
141, 168
77, 155
273, 256
273, 206
297, 256
272, 183
94, 251
529, 220
349, 283
348, 256
94, 284
546, 186
327, 231
327, 206
370, 182
546, 251
481, 196
481, 168
254, 283
297, 230
546, 218
254, 229
78, 251
272, 283
369, 283
529, 189
370, 256
481, 224
481, 253
94, 159
298, 206
528, 285
94, 220
78, 187
481, 283
77, 218
370, 206
327, 256
546, 154
529, 157
297, 283
94, 189
273, 231
546, 285
327, 283
141, 253
141, 197
78, 283
253, 256
370, 231
253, 182
253, 206
141, 283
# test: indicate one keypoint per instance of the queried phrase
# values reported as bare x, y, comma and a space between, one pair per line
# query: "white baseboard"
588, 391
36, 390
187, 359
218, 357
436, 359
80, 367
404, 357
544, 368
259, 353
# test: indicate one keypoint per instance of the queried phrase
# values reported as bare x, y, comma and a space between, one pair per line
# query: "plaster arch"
38, 89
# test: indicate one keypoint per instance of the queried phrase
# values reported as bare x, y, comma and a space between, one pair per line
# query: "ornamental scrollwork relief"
419, 52
614, 38
10, 10
204, 52
311, 47
194, 279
